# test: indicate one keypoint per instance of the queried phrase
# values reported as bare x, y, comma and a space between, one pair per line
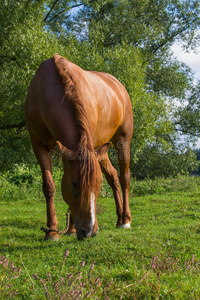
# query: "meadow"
158, 258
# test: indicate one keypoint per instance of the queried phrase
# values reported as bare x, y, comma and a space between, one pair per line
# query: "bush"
179, 183
24, 180
154, 162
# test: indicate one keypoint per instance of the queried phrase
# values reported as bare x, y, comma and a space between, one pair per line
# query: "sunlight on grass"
157, 258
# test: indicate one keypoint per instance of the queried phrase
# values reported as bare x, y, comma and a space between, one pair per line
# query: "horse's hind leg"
112, 177
123, 152
42, 154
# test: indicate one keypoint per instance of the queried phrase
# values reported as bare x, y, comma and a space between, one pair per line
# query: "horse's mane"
89, 166
90, 172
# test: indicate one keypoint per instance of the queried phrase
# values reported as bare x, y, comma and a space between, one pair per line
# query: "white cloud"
192, 59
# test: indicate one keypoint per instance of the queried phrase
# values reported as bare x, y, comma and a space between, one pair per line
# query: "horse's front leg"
42, 154
49, 192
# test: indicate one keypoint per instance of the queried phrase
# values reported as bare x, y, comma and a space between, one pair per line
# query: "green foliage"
147, 24
22, 178
154, 162
19, 181
187, 116
197, 152
161, 186
128, 39
25, 44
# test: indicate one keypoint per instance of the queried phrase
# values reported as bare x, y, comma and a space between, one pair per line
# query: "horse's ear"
69, 154
103, 150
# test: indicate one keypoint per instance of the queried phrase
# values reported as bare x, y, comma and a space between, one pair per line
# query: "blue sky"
191, 59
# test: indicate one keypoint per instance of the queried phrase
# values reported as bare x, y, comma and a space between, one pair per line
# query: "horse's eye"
75, 184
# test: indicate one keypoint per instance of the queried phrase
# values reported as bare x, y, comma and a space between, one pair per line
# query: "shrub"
154, 162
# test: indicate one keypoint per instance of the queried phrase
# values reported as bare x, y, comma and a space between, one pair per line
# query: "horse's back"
113, 103
48, 113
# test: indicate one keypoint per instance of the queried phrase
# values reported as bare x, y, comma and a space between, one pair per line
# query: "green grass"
158, 258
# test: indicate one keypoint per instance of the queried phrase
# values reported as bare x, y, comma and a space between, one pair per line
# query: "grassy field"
158, 258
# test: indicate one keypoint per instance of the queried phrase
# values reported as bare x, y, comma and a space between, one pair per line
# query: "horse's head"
80, 187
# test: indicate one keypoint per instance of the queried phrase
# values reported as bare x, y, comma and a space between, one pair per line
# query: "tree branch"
62, 11
10, 58
10, 126
48, 14
13, 59
166, 40
189, 130
59, 13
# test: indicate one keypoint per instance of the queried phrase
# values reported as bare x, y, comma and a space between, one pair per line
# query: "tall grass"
161, 186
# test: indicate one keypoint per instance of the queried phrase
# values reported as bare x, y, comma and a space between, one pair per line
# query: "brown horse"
81, 112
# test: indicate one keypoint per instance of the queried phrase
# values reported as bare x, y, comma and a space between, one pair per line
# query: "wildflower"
12, 265
42, 281
83, 284
66, 253
5, 263
56, 284
92, 267
97, 282
87, 295
83, 264
35, 276
18, 273
192, 259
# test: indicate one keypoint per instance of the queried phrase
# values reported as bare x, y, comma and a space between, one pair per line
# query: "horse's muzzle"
82, 234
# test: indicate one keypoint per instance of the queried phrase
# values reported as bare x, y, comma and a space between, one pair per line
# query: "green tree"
106, 27
24, 44
129, 39
187, 116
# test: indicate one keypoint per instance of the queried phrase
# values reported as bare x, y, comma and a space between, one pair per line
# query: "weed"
164, 262
193, 265
106, 191
74, 285
9, 273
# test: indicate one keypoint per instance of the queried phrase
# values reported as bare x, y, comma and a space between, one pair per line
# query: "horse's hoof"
71, 232
119, 223
126, 225
53, 236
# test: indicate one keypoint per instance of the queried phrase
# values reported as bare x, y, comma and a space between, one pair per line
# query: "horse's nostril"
82, 234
